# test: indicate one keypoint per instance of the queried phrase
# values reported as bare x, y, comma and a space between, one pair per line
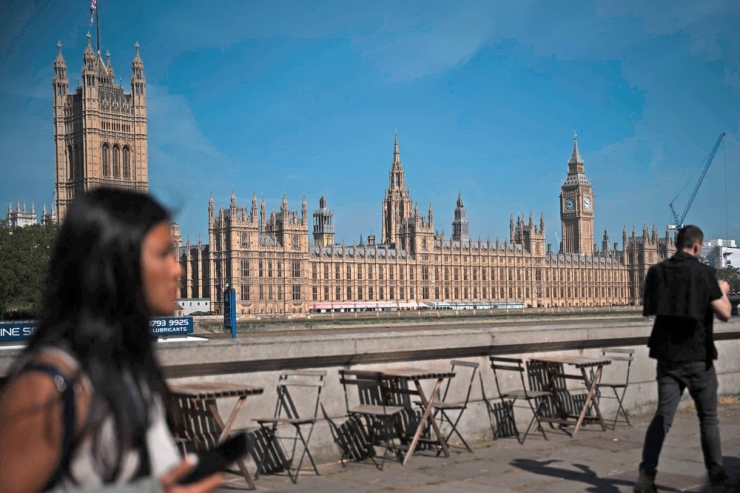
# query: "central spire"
396, 154
575, 157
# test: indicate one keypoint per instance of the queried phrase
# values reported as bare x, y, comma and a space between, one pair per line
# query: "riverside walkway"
594, 461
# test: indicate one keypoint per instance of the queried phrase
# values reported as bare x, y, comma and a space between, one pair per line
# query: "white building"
192, 305
721, 253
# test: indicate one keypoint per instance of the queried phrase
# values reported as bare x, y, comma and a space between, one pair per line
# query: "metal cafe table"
556, 382
200, 422
416, 375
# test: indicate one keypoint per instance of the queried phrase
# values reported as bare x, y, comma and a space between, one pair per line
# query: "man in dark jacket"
684, 296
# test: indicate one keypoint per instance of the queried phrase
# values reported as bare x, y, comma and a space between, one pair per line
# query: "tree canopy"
25, 254
731, 275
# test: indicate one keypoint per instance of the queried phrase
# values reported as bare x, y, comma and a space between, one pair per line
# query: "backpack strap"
69, 412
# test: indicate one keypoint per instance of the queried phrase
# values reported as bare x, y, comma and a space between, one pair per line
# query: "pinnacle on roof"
575, 157
88, 48
322, 202
460, 200
137, 57
396, 153
59, 61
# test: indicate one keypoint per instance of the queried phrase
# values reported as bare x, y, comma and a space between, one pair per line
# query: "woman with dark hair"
85, 405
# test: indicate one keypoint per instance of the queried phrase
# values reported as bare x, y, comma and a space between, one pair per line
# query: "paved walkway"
595, 461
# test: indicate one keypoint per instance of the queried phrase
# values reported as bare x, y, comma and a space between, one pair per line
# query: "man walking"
684, 295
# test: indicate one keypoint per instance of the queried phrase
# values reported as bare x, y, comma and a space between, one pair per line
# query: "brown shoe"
645, 483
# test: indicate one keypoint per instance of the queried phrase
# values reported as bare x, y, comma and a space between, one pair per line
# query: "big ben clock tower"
577, 207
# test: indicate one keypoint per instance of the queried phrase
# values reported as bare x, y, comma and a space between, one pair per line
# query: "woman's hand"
170, 481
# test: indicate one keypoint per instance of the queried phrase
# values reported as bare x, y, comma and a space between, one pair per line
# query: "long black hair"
96, 310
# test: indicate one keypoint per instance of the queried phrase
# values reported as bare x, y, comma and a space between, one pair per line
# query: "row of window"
357, 293
116, 127
268, 293
117, 169
270, 269
513, 274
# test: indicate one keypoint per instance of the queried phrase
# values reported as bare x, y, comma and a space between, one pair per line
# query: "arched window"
70, 162
126, 163
106, 161
116, 162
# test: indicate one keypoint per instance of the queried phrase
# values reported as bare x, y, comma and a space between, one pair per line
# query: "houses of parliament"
289, 262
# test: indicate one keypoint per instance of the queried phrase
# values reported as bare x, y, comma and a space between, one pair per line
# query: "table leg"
226, 428
591, 397
427, 416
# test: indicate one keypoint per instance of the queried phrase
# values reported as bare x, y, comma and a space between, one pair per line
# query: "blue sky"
304, 97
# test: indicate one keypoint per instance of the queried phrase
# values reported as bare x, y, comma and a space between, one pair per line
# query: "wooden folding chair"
444, 405
619, 387
380, 417
305, 382
534, 398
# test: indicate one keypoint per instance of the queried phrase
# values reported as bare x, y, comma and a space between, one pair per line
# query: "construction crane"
678, 224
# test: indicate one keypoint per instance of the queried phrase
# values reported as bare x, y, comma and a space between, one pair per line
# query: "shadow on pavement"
583, 475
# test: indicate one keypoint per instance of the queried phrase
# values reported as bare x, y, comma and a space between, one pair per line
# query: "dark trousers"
702, 384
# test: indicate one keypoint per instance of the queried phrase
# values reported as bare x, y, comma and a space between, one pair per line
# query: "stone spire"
304, 211
232, 201
431, 215
396, 154
460, 226
575, 157
253, 212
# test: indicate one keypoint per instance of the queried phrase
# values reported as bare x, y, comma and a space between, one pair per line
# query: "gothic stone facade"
100, 132
275, 268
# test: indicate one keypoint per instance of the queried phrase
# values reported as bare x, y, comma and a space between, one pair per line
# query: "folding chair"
304, 382
380, 418
443, 406
534, 398
619, 388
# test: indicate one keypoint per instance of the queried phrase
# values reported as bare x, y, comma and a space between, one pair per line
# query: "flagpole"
97, 25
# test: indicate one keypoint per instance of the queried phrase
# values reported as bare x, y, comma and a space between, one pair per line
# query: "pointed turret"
304, 211
211, 207
253, 212
263, 214
232, 201
460, 226
60, 80
323, 225
396, 153
138, 79
284, 204
431, 215
542, 223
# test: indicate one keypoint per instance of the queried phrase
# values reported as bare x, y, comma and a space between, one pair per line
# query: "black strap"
69, 412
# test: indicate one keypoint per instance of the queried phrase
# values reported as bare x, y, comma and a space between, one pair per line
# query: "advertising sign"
230, 311
16, 331
165, 326
170, 326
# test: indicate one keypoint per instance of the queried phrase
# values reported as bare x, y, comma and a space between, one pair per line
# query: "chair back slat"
469, 364
507, 368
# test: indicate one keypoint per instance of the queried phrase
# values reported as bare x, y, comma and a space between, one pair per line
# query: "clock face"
570, 204
587, 203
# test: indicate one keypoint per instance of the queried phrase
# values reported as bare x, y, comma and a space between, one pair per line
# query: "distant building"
100, 131
21, 217
192, 305
275, 268
721, 253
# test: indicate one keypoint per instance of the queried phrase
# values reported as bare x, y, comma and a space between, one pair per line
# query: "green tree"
731, 275
24, 264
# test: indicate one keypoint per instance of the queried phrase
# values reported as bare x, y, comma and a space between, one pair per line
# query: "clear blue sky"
304, 97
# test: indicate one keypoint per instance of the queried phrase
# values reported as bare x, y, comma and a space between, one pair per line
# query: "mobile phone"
216, 459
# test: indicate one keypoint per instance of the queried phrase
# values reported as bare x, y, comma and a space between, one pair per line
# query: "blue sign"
170, 326
16, 331
166, 326
230, 311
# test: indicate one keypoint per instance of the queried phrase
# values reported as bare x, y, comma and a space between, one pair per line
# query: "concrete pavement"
594, 461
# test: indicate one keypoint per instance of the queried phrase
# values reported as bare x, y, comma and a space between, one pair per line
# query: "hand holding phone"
216, 459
